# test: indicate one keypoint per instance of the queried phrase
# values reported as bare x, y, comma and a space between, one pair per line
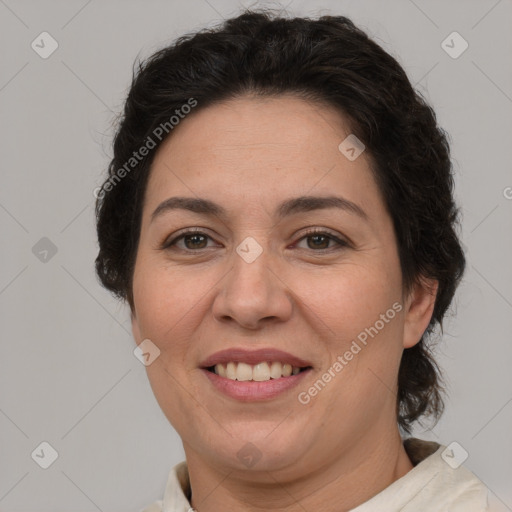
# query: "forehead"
258, 150
251, 124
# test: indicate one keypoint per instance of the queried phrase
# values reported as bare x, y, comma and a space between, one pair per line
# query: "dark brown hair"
328, 60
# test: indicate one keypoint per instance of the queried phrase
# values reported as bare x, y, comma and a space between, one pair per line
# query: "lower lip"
252, 391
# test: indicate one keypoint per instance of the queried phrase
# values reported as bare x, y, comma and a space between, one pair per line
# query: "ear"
419, 307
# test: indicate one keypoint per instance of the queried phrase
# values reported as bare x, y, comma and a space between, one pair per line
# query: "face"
261, 283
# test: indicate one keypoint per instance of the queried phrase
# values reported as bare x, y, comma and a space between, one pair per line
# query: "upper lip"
252, 357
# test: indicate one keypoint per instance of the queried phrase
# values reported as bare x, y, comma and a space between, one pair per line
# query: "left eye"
321, 240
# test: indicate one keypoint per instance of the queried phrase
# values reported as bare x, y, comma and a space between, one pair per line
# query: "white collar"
432, 485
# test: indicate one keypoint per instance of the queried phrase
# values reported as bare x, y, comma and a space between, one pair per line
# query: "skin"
248, 155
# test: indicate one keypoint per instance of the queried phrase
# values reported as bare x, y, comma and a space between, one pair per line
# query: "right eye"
192, 240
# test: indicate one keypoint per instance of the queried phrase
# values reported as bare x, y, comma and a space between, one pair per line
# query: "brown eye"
189, 241
196, 241
322, 241
318, 241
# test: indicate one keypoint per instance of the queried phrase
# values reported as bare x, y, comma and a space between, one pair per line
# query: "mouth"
254, 375
261, 372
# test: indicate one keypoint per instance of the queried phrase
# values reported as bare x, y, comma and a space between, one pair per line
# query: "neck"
339, 486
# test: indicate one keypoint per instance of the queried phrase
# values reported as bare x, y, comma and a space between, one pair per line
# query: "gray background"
68, 375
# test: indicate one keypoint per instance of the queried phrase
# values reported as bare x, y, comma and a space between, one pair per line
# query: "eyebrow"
285, 209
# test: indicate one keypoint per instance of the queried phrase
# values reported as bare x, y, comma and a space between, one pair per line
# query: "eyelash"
168, 245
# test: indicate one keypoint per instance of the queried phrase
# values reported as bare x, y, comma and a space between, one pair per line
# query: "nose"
252, 294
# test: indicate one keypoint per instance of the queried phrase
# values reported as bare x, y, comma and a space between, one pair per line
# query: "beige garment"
432, 485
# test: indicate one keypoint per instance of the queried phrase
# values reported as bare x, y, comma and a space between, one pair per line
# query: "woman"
279, 216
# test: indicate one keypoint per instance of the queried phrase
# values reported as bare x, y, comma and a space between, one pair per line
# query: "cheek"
170, 304
163, 297
358, 308
348, 299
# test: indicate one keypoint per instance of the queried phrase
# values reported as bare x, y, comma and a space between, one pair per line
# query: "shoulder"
176, 494
447, 483
434, 484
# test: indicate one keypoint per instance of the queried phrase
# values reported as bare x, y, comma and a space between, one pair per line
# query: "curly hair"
328, 60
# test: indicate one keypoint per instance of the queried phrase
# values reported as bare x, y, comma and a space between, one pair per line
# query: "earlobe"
418, 311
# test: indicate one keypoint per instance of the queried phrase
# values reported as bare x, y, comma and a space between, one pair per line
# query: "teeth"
230, 371
243, 371
221, 370
259, 372
276, 370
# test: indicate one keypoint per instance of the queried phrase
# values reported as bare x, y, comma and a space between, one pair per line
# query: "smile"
254, 375
260, 372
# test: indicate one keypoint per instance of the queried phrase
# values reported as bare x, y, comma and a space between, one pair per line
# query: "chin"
255, 452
